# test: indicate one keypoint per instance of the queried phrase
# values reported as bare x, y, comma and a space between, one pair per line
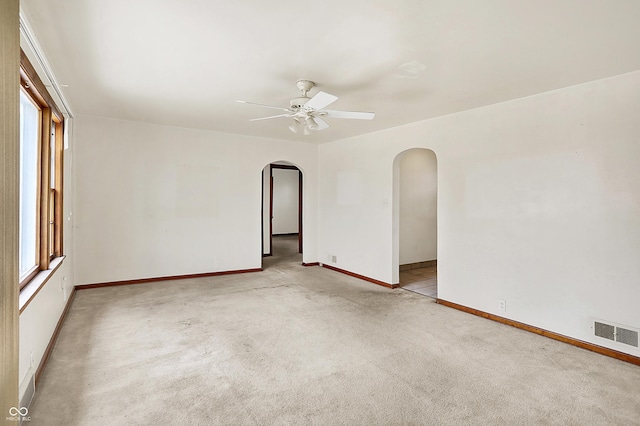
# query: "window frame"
49, 244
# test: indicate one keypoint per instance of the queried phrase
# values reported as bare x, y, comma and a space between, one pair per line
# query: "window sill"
28, 292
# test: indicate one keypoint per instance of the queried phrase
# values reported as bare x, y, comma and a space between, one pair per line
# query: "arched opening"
282, 231
416, 221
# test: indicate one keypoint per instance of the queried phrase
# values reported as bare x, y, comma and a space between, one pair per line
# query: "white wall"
38, 321
418, 190
538, 205
285, 201
156, 201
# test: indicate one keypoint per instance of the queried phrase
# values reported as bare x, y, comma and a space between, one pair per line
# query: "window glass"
52, 144
29, 129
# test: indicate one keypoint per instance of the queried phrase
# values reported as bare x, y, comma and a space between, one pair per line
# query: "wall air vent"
617, 333
628, 337
604, 330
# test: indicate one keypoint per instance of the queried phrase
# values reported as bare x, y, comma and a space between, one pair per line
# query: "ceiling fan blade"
272, 116
349, 114
262, 105
321, 123
319, 101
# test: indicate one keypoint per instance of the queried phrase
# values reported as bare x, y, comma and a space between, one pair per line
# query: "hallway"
284, 251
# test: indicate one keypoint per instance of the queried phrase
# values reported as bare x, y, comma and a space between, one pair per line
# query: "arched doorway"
415, 221
282, 231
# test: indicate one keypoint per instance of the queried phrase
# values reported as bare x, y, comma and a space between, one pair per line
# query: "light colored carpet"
296, 345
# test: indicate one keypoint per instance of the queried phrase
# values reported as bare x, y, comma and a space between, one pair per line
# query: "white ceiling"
186, 62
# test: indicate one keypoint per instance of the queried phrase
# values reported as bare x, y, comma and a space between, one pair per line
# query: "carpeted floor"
306, 345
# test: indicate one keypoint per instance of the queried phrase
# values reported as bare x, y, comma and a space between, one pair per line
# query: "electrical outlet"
502, 305
334, 259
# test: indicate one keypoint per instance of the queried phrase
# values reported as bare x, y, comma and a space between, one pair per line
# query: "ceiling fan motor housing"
304, 86
297, 103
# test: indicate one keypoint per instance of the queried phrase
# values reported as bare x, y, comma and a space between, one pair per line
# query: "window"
41, 151
29, 129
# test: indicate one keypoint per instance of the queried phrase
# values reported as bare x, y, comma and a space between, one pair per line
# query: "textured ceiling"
186, 62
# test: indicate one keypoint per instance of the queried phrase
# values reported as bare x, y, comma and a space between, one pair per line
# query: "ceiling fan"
308, 113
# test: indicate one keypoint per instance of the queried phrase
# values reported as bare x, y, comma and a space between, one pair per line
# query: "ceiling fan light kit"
307, 112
